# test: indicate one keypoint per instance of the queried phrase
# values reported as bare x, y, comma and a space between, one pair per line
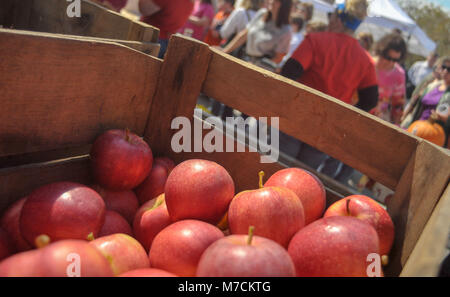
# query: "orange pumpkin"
428, 130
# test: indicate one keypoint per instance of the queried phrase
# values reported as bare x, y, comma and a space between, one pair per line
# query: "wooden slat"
431, 248
422, 184
17, 182
95, 21
179, 84
360, 140
149, 48
59, 93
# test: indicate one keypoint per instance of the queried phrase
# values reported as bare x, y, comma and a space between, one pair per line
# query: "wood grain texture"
360, 140
17, 182
431, 248
422, 184
179, 84
60, 93
149, 48
95, 21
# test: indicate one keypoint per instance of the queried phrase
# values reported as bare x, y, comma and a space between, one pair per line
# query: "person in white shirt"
239, 18
421, 69
297, 37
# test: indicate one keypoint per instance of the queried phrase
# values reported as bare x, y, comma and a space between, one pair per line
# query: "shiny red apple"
306, 186
6, 245
120, 160
114, 223
366, 209
60, 259
166, 162
153, 185
178, 247
198, 189
147, 272
275, 212
10, 222
149, 221
123, 202
23, 264
245, 256
334, 247
62, 210
123, 252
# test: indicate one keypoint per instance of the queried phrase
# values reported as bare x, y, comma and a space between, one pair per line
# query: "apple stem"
261, 175
159, 200
250, 235
90, 237
348, 206
42, 241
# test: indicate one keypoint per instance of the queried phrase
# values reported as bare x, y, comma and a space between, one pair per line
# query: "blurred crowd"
280, 36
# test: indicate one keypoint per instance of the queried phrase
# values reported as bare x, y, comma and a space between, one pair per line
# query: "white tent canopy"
383, 16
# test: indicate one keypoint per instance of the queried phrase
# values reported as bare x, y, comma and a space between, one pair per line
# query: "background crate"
95, 22
54, 107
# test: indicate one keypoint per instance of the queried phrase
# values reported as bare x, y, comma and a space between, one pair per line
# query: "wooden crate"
54, 107
95, 22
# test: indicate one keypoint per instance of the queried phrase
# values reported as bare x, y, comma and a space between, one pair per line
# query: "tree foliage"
432, 19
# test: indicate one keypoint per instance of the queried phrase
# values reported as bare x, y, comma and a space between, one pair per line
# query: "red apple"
23, 264
198, 189
6, 245
123, 202
59, 259
366, 209
306, 186
245, 256
149, 221
166, 162
147, 272
149, 204
333, 246
114, 223
123, 252
62, 210
275, 212
120, 160
153, 185
178, 247
10, 222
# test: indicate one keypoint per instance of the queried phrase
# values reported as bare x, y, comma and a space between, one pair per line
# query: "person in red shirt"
168, 16
334, 63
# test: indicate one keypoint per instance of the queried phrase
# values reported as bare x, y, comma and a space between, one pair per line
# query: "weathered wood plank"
430, 250
179, 84
360, 140
422, 184
60, 93
95, 21
17, 182
149, 48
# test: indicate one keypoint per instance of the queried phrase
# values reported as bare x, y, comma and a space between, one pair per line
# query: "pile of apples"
147, 216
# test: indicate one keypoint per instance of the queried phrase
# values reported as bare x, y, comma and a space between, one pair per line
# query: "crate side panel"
359, 139
59, 93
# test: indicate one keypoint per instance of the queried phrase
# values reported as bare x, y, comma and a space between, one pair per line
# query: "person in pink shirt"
390, 50
200, 20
